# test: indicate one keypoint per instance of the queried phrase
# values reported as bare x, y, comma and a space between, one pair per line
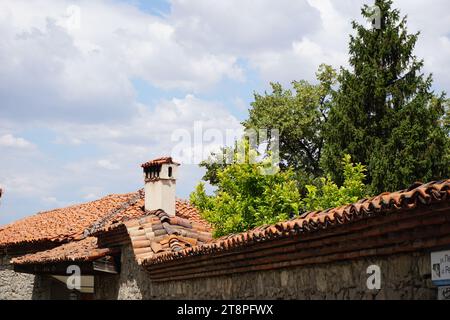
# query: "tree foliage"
327, 194
216, 162
299, 116
385, 114
246, 197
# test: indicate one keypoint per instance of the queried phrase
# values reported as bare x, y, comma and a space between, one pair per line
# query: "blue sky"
154, 7
91, 89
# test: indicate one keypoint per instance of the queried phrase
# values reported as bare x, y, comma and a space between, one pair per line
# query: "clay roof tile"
418, 195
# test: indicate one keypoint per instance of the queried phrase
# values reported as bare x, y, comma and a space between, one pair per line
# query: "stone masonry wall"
21, 286
404, 276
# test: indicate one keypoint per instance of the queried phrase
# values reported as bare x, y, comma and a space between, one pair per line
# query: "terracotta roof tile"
183, 209
79, 221
158, 161
157, 234
60, 225
419, 195
187, 211
83, 250
157, 238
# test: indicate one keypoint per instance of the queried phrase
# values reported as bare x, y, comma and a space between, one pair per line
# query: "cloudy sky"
91, 89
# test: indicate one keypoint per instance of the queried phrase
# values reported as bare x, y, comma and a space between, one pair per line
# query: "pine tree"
385, 114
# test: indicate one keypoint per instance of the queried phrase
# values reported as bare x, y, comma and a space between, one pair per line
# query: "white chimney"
160, 182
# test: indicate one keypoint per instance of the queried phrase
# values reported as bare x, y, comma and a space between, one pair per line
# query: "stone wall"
21, 286
404, 276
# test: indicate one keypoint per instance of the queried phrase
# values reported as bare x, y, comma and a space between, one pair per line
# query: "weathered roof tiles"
159, 233
83, 250
158, 161
60, 225
385, 203
79, 221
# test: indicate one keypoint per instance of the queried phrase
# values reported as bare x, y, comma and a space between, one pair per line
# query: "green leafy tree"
327, 194
246, 197
216, 162
299, 116
385, 114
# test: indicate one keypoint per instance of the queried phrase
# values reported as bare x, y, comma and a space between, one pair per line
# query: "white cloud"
242, 27
54, 202
8, 140
91, 197
148, 133
119, 150
35, 182
286, 40
85, 74
77, 83
432, 19
107, 164
275, 37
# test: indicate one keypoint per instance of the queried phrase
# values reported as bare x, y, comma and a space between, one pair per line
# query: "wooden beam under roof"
108, 264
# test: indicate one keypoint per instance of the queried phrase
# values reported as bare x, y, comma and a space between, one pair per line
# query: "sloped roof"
76, 251
158, 162
150, 234
135, 210
60, 225
78, 221
385, 203
158, 233
157, 238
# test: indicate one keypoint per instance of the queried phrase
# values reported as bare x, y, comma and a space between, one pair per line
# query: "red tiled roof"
158, 233
186, 211
60, 225
157, 238
83, 250
158, 161
149, 234
79, 221
385, 203
183, 209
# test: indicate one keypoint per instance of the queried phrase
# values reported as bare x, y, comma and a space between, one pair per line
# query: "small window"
170, 172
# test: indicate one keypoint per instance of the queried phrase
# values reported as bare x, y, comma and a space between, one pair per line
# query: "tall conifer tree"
385, 114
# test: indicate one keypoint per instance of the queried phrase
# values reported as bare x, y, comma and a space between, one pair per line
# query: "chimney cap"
158, 162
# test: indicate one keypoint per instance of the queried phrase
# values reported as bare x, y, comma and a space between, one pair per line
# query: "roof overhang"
104, 265
383, 234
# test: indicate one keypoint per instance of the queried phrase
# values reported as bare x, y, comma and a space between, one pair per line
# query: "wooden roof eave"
108, 264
